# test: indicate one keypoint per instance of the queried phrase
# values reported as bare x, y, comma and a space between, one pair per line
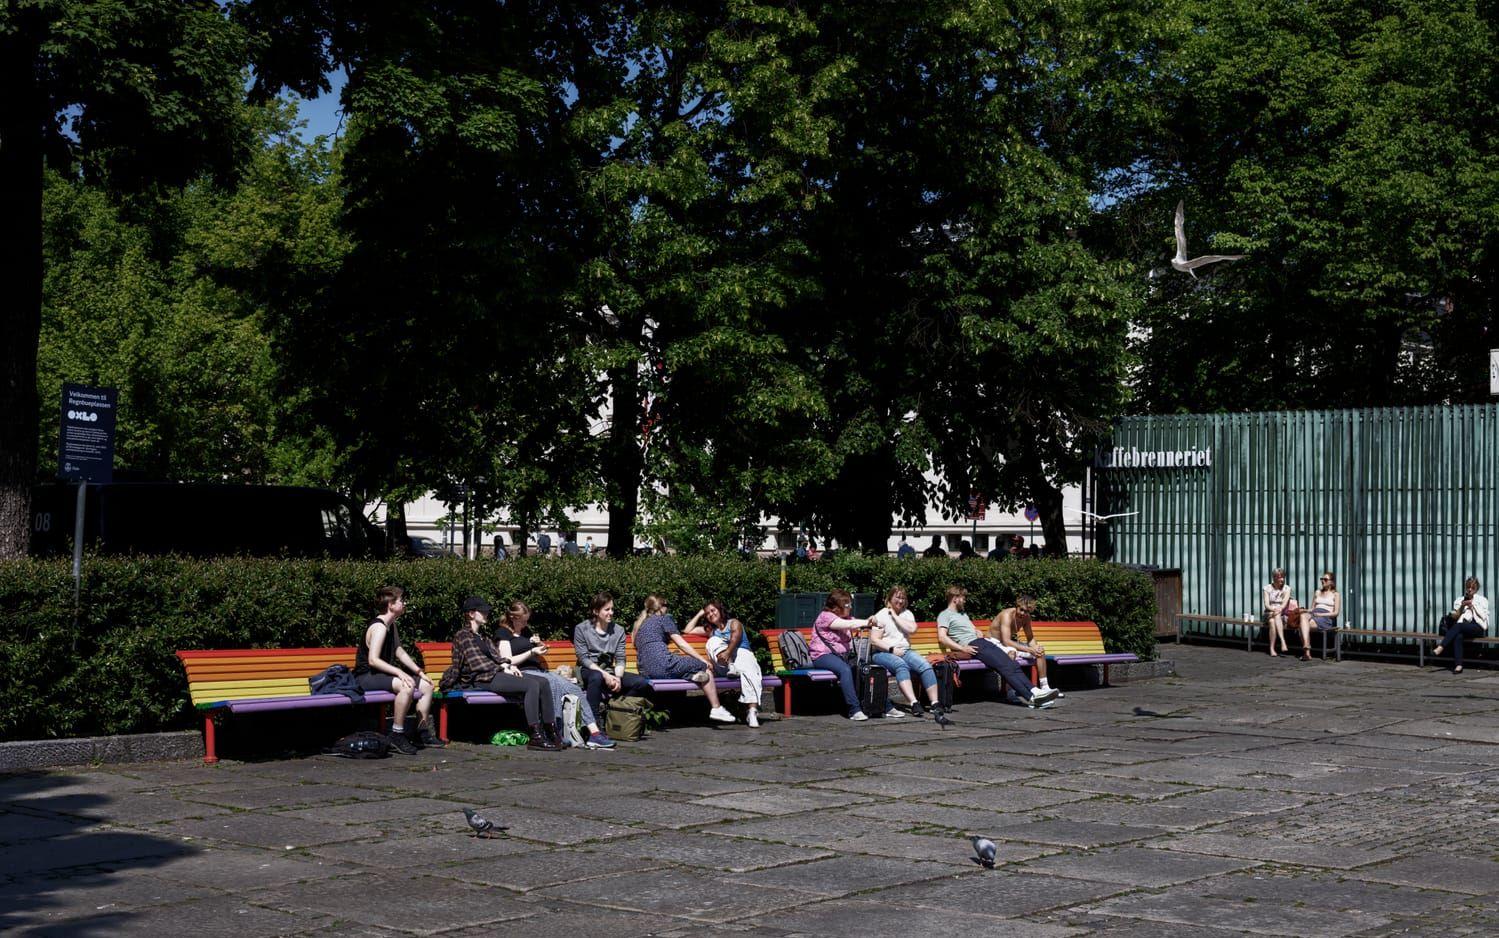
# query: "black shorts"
376, 681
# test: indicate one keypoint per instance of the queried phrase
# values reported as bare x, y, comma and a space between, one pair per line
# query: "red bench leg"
786, 698
1105, 675
442, 720
210, 745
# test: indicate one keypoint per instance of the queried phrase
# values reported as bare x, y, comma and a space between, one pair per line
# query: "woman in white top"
890, 648
1469, 618
1275, 600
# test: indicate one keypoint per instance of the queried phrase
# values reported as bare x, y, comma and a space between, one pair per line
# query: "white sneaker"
858, 716
721, 715
895, 715
752, 719
1040, 697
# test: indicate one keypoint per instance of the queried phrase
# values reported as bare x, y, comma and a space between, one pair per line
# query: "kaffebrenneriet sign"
1129, 457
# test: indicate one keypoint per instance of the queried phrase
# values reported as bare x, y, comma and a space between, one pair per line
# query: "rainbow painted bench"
437, 656
1067, 643
259, 680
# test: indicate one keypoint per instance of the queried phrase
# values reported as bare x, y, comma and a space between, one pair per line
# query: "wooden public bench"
258, 680
1251, 628
1420, 639
1067, 643
559, 654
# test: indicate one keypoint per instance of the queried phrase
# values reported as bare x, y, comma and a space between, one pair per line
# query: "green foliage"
115, 672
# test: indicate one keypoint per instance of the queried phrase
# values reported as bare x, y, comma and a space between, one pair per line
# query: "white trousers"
744, 666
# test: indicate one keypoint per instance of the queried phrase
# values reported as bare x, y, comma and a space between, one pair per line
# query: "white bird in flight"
1122, 514
1180, 261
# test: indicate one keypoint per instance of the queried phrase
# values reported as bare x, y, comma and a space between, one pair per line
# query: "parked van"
204, 521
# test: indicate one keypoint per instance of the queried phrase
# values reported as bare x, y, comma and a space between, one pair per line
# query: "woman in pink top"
831, 634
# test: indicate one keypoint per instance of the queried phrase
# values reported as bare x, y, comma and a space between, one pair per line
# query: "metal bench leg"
210, 745
1337, 644
1105, 675
786, 697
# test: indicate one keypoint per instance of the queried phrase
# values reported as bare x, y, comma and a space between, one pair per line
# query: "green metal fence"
1400, 503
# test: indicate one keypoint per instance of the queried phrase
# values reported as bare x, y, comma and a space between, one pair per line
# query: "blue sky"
322, 113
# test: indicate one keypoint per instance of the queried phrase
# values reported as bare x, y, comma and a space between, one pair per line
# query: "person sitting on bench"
1469, 618
959, 637
479, 663
599, 644
515, 641
380, 663
653, 629
1012, 629
890, 643
729, 648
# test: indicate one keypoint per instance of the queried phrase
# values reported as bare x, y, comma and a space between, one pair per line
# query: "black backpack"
361, 745
794, 651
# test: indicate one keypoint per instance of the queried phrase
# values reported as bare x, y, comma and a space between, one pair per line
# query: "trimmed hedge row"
115, 672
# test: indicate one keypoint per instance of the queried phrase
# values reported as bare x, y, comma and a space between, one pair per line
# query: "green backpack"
625, 717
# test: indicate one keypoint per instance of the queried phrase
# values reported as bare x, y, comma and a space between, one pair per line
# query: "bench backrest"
1060, 638
249, 673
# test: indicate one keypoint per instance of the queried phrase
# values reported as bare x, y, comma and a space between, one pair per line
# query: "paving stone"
1133, 866
537, 869
266, 830
842, 875
857, 918
1475, 875
281, 796
1013, 891
367, 812
1035, 796
1068, 833
418, 904
1277, 851
1326, 891
950, 849
17, 827
237, 869
571, 922
48, 900
679, 893
668, 810
731, 854
801, 831
104, 850
1260, 918
227, 916
782, 801
1112, 785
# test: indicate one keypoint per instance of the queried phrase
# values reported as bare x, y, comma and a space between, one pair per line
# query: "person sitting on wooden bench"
1012, 629
1469, 618
380, 663
959, 637
599, 644
729, 648
478, 663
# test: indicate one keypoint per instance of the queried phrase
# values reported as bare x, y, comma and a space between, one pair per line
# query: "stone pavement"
1246, 795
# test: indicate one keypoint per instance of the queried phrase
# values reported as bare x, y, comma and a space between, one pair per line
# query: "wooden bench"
559, 654
258, 680
1250, 627
1067, 643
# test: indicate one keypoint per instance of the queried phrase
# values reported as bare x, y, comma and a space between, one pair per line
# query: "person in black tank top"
380, 663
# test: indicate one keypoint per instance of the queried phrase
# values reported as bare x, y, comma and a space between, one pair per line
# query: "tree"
1349, 149
127, 91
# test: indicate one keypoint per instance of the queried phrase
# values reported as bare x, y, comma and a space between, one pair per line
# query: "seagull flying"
1095, 517
482, 826
1180, 261
984, 851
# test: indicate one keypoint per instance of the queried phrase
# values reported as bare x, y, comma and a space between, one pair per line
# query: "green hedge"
114, 672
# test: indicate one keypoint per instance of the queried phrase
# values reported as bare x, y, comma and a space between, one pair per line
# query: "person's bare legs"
401, 707
1306, 635
1276, 634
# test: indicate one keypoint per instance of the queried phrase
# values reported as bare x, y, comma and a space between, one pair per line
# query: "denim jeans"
995, 657
903, 666
630, 685
838, 666
1455, 635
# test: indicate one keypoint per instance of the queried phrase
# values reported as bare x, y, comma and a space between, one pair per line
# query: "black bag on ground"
361, 745
794, 651
947, 683
624, 718
874, 690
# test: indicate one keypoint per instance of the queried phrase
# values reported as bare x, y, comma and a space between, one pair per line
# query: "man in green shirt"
956, 633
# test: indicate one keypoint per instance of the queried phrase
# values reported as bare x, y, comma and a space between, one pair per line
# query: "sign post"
1031, 514
85, 453
978, 509
1494, 372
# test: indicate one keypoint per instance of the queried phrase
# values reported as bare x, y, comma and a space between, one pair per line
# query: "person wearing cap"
380, 663
477, 663
514, 639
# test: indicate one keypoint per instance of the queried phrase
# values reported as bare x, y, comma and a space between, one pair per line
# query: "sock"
397, 728
1045, 685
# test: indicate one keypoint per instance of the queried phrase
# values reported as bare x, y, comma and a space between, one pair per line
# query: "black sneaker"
428, 739
401, 744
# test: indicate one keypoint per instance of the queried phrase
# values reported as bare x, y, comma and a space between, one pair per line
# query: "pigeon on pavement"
482, 826
984, 851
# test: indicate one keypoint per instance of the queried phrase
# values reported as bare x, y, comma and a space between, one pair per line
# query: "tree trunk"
623, 461
395, 528
21, 138
1048, 500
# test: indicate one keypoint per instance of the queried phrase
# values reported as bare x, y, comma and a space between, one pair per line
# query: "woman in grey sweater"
599, 643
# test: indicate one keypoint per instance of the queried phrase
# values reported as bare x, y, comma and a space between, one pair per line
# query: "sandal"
1306, 656
1458, 670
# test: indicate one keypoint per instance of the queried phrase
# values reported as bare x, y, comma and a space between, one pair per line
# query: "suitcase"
874, 690
947, 683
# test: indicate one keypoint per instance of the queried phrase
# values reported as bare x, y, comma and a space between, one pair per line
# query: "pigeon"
984, 851
1180, 261
482, 826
